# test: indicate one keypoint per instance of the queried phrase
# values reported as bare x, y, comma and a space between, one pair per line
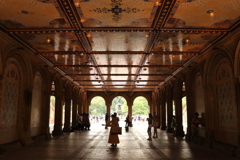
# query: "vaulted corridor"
133, 145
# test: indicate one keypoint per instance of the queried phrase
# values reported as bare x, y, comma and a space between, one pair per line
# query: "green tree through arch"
140, 106
97, 106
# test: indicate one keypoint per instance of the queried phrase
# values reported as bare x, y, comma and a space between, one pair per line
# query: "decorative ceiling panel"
116, 13
118, 45
55, 42
169, 59
121, 83
76, 70
118, 59
65, 59
118, 41
157, 70
20, 14
119, 77
185, 42
204, 14
118, 70
145, 78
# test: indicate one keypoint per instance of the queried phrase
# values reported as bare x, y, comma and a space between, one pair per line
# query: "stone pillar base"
180, 133
48, 136
56, 133
237, 152
163, 127
27, 141
66, 129
169, 130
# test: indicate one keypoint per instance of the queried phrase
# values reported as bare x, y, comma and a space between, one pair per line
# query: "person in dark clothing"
150, 124
106, 120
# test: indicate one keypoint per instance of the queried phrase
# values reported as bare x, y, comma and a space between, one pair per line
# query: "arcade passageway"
133, 145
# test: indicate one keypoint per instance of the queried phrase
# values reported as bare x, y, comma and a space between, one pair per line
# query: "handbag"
116, 130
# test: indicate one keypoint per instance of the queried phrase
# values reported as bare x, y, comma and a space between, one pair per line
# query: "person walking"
150, 124
113, 138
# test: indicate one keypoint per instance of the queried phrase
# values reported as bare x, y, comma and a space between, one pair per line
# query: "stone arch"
149, 99
119, 94
24, 63
12, 89
220, 92
237, 62
101, 94
58, 84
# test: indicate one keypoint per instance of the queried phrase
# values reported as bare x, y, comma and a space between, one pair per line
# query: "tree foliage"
98, 106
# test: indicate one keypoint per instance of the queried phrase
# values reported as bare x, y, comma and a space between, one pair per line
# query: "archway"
140, 111
97, 111
119, 106
52, 108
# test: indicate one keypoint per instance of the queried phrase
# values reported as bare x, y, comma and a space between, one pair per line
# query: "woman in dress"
113, 138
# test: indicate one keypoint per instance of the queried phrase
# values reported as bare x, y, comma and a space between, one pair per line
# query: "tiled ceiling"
118, 45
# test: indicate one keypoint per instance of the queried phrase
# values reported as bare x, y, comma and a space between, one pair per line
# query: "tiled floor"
133, 145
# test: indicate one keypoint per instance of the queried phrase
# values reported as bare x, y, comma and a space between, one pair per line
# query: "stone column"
178, 107
67, 127
58, 117
237, 150
163, 112
169, 108
130, 109
169, 114
46, 107
108, 112
26, 132
74, 113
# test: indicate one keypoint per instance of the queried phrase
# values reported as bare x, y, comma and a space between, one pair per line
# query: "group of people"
153, 121
83, 122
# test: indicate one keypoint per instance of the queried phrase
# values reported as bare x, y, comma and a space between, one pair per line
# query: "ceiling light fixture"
158, 3
77, 4
211, 13
48, 40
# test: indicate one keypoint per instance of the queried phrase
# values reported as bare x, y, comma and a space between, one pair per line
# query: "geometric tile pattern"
10, 94
227, 110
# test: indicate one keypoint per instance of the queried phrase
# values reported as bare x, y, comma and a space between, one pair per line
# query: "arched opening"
97, 111
199, 101
119, 106
52, 108
184, 108
140, 111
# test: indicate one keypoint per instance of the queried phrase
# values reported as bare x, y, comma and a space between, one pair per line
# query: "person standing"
113, 138
106, 120
87, 122
155, 125
194, 125
79, 121
150, 124
173, 125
